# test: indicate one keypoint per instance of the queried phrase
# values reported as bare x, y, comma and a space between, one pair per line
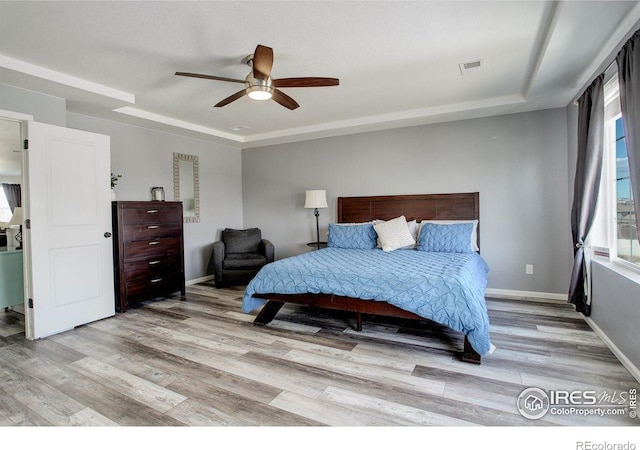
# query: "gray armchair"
239, 255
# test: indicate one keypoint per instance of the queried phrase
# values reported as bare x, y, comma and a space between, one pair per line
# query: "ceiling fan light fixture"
259, 92
260, 86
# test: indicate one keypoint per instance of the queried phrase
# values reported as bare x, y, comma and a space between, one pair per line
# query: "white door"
69, 245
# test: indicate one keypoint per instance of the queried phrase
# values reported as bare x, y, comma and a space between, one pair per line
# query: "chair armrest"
268, 250
217, 256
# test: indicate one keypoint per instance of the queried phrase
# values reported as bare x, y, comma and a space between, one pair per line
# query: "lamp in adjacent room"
16, 222
316, 199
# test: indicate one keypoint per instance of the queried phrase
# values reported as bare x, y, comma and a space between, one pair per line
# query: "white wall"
144, 157
517, 162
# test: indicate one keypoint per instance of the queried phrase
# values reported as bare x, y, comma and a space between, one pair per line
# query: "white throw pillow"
394, 234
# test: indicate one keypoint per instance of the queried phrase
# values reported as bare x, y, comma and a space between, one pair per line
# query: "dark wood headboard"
465, 206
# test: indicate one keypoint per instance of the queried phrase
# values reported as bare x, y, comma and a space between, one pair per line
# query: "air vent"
471, 67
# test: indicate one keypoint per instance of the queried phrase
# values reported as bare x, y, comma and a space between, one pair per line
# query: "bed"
440, 286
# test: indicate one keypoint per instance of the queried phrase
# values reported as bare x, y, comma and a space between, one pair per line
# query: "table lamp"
316, 199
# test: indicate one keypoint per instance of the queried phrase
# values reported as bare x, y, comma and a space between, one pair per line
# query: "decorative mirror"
186, 187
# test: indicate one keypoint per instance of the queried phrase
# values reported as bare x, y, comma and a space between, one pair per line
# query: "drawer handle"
154, 243
153, 263
152, 211
152, 227
156, 280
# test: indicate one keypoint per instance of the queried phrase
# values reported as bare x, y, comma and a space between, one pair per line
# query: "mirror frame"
177, 157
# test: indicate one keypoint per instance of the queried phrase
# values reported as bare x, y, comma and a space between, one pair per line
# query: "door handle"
107, 235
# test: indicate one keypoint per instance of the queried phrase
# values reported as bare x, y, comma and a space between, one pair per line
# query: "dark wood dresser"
148, 251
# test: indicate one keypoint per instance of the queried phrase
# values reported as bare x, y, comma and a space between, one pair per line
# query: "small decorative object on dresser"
148, 251
114, 182
157, 194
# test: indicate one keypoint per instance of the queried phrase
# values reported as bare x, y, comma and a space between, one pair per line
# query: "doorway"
67, 254
11, 248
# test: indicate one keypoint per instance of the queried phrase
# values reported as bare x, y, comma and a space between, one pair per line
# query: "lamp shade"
16, 219
316, 199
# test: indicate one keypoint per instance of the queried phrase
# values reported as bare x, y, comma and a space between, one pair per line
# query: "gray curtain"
628, 60
13, 194
585, 188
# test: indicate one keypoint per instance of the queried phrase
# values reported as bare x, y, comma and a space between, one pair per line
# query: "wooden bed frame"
464, 206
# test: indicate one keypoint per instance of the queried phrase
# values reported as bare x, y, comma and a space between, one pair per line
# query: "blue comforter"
447, 288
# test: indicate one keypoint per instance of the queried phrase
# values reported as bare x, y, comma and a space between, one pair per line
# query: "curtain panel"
585, 189
13, 194
628, 61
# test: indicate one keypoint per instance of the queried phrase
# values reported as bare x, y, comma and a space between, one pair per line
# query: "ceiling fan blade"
284, 99
262, 62
231, 98
305, 82
208, 77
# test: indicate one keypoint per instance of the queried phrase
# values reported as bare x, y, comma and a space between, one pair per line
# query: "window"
627, 245
616, 217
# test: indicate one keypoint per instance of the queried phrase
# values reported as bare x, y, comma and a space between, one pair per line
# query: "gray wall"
144, 157
517, 162
10, 179
615, 309
43, 108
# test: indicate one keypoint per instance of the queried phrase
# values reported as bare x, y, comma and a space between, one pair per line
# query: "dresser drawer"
152, 214
153, 286
151, 231
152, 267
155, 247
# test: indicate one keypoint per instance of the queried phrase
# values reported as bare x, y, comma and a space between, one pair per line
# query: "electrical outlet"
528, 269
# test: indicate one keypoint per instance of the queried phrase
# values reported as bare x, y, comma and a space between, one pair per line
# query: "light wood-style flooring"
200, 361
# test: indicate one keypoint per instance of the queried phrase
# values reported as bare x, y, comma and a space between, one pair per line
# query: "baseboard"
199, 280
526, 295
626, 362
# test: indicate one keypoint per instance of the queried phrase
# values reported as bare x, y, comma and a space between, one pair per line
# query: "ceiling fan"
260, 86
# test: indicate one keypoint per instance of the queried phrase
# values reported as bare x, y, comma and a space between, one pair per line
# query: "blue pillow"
352, 236
450, 238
